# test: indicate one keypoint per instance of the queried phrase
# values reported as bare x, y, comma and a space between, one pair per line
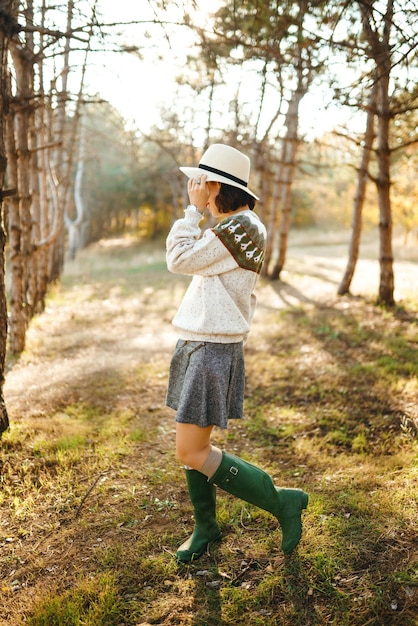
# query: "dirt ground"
140, 329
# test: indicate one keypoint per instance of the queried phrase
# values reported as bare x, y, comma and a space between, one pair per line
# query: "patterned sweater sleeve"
244, 240
237, 241
190, 253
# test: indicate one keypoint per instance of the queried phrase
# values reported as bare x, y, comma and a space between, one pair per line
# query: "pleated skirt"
206, 382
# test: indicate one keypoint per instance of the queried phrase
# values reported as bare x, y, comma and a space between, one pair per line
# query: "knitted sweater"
225, 263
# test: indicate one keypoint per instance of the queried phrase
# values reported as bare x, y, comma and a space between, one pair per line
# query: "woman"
206, 383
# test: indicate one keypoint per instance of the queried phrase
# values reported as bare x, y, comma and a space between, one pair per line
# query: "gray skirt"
206, 382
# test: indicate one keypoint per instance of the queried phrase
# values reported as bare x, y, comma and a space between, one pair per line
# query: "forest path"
114, 310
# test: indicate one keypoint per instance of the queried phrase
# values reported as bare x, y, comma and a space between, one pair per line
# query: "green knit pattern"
243, 240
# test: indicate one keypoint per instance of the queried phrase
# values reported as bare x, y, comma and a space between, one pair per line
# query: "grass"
93, 504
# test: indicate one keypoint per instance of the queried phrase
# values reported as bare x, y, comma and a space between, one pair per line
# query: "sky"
138, 88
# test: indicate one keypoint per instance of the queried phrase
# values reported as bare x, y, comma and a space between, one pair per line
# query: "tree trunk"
270, 188
287, 169
17, 324
8, 26
74, 225
303, 70
380, 51
386, 285
22, 108
62, 168
362, 178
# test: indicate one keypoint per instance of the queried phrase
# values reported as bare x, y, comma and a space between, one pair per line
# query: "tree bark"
303, 70
8, 26
386, 285
363, 175
287, 169
17, 324
380, 52
73, 225
270, 188
20, 121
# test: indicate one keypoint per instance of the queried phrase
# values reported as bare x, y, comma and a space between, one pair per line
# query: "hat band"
224, 174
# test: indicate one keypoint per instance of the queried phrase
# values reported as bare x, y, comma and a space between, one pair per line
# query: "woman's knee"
190, 458
188, 455
182, 452
192, 446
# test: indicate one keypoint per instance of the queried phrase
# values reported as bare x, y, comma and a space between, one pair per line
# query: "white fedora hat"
223, 164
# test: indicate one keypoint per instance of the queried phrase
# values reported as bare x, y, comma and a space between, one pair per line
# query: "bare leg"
193, 449
193, 444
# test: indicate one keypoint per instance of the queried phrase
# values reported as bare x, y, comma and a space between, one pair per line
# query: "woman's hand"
198, 192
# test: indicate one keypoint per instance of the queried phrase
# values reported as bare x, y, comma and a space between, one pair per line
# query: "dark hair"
231, 198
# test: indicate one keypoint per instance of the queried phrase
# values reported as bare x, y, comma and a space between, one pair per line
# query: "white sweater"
225, 263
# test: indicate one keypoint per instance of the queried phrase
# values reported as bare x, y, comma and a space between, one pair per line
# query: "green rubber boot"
206, 530
253, 485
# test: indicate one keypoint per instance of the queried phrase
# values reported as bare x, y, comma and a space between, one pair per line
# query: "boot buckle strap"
233, 470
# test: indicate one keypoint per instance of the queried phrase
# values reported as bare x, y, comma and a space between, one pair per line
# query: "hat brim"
194, 172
